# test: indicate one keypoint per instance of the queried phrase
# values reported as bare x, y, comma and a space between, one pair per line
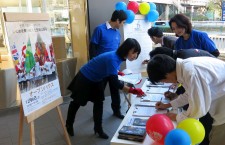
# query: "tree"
215, 6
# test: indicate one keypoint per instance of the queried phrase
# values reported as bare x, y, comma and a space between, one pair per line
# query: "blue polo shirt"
197, 40
107, 38
102, 66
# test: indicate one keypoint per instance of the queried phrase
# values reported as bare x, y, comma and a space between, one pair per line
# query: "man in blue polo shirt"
106, 37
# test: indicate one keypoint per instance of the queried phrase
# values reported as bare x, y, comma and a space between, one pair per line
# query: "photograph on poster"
34, 66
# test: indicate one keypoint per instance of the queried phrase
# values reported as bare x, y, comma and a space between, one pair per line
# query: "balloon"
152, 16
144, 8
121, 6
158, 126
133, 5
177, 137
152, 6
130, 16
194, 128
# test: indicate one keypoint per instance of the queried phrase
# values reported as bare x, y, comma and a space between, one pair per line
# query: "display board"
138, 29
32, 51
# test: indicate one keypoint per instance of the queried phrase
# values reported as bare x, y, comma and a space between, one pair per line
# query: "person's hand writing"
170, 95
172, 116
160, 105
121, 73
137, 91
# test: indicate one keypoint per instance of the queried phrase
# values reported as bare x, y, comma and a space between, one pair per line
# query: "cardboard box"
59, 47
66, 69
8, 85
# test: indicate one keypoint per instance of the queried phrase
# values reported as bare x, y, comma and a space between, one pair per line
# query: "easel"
30, 119
56, 99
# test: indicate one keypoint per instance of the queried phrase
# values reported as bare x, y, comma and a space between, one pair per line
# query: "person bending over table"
88, 84
105, 38
203, 79
206, 120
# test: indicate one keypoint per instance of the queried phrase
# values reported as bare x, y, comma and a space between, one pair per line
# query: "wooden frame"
20, 17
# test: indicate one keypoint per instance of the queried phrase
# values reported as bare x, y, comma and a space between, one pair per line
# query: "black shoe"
70, 130
101, 133
118, 115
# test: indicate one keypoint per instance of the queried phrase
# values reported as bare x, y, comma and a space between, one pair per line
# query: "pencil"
169, 88
160, 102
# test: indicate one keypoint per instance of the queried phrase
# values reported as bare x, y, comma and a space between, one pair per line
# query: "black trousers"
115, 95
97, 110
206, 121
84, 90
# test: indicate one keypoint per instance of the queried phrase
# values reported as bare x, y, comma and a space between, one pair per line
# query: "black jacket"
169, 41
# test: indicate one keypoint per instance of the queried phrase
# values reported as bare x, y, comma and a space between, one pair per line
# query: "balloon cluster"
189, 131
147, 9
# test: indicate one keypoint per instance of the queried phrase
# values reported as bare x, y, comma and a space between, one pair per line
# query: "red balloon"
133, 5
158, 126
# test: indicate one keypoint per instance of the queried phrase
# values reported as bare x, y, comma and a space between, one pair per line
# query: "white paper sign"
33, 55
138, 30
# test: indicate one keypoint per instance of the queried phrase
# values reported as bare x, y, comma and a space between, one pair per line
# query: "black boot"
98, 111
118, 114
116, 111
72, 110
101, 133
70, 130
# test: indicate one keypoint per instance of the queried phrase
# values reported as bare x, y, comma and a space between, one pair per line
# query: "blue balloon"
121, 6
152, 16
152, 6
130, 16
177, 137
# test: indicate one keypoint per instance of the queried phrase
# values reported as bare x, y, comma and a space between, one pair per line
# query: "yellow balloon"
144, 8
194, 128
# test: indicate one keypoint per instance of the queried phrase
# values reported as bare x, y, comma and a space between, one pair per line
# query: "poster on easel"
30, 43
32, 51
138, 30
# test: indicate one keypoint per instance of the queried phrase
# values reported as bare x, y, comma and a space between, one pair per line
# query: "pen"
159, 102
169, 88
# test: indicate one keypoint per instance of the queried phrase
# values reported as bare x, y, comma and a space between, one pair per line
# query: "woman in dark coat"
88, 83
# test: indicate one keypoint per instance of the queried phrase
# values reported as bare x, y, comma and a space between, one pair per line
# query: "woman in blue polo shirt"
88, 83
190, 38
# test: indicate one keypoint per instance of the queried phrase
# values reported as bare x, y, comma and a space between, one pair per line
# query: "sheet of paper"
156, 90
146, 111
146, 103
154, 98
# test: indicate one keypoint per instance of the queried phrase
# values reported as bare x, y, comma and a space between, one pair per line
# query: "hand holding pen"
160, 105
169, 94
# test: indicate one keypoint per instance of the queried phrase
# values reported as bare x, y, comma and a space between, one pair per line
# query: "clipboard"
147, 111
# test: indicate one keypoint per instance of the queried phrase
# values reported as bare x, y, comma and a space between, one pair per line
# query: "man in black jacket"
157, 37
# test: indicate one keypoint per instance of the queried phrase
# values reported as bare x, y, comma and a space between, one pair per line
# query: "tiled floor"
48, 129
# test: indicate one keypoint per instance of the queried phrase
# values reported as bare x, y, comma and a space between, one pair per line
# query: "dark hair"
182, 21
155, 31
161, 50
119, 14
127, 45
159, 66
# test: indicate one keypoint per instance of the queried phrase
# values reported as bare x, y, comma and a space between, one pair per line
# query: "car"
164, 25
